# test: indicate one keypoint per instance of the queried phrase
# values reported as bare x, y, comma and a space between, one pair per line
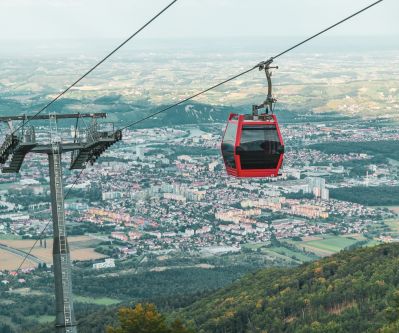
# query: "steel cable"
263, 63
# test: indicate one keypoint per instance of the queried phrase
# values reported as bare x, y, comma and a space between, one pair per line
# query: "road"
21, 254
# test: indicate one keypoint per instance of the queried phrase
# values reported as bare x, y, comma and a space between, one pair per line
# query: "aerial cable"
260, 66
329, 28
65, 197
48, 223
97, 65
187, 99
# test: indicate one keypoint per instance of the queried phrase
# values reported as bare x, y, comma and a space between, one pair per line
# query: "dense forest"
380, 149
369, 196
140, 279
137, 280
353, 291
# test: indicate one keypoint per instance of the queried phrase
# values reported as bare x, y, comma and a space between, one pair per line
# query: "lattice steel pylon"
12, 153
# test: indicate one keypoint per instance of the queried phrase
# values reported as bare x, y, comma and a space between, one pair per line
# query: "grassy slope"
348, 292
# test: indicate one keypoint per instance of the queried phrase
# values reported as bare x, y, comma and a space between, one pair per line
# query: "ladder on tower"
65, 260
85, 149
63, 244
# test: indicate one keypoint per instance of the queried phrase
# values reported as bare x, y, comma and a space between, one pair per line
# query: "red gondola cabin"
252, 146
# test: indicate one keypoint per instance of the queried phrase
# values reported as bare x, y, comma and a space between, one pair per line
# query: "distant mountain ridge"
190, 113
122, 111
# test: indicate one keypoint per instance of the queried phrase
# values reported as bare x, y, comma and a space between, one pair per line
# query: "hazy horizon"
34, 19
266, 45
93, 28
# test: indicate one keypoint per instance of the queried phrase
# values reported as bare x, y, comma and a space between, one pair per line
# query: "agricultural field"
97, 301
295, 255
82, 248
327, 245
394, 209
10, 261
279, 252
42, 319
393, 225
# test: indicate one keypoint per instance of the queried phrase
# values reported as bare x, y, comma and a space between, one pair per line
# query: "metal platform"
92, 150
85, 149
18, 157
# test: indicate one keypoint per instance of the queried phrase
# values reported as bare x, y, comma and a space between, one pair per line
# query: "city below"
158, 206
156, 193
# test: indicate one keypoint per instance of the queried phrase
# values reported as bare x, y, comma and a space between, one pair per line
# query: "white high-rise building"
317, 186
140, 152
325, 194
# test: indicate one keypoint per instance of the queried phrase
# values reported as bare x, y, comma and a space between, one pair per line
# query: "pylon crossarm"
15, 147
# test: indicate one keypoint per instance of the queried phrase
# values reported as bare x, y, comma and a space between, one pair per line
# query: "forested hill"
350, 292
122, 111
353, 291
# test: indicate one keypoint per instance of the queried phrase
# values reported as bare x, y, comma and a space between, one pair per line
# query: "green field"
279, 252
393, 225
332, 244
97, 301
42, 319
274, 254
253, 246
10, 237
27, 292
328, 245
300, 256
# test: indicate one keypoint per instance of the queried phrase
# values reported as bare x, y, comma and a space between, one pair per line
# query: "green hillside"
122, 111
350, 292
353, 291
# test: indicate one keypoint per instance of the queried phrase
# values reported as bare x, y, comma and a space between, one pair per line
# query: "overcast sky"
72, 19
